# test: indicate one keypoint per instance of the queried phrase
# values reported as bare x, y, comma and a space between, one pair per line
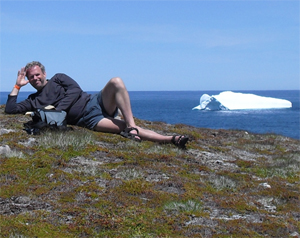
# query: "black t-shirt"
61, 91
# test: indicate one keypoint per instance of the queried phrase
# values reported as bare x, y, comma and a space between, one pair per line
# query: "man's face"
36, 77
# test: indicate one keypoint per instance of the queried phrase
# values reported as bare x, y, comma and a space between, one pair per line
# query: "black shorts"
94, 112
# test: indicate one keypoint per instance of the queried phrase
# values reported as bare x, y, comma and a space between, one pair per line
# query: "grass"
64, 140
87, 184
189, 206
223, 183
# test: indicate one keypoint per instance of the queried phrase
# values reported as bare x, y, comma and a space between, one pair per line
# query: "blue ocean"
175, 107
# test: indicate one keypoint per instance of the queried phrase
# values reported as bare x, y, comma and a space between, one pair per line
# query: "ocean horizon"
175, 107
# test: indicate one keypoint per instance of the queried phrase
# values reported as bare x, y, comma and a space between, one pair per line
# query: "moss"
244, 163
135, 187
109, 186
236, 202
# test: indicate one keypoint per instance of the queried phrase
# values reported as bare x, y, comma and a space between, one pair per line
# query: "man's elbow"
8, 110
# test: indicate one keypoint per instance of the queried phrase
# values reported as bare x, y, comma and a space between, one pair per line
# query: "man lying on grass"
97, 112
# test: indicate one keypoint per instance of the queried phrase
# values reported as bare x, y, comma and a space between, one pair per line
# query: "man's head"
36, 74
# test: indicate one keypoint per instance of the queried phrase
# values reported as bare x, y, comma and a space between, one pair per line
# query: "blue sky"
155, 45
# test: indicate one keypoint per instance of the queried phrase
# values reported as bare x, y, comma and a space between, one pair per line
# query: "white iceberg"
237, 101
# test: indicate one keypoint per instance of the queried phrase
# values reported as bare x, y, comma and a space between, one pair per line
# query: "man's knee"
117, 82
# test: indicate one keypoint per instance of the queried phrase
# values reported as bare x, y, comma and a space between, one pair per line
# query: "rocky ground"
86, 184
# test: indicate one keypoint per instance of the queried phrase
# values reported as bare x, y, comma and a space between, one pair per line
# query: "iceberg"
237, 101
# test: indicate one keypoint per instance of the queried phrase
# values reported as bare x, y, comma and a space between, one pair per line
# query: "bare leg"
115, 95
113, 125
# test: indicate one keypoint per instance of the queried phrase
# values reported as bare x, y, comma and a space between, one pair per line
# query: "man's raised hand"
21, 80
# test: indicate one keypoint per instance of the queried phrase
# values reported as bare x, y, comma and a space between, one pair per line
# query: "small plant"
222, 183
187, 206
129, 174
135, 187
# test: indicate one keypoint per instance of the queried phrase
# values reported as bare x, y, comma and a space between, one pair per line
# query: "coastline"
175, 107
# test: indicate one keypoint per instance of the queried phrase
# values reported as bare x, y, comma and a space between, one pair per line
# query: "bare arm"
21, 81
11, 103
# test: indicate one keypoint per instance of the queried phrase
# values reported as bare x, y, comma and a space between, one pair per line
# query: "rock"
5, 131
295, 234
29, 142
4, 150
265, 185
